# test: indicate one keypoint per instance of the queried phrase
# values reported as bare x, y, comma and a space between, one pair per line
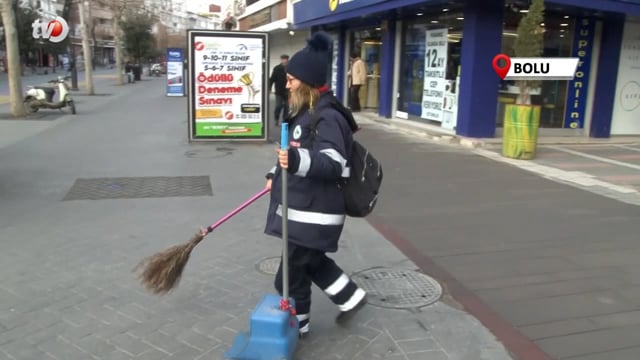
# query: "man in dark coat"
279, 79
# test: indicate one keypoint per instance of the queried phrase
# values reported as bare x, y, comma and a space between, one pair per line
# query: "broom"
161, 272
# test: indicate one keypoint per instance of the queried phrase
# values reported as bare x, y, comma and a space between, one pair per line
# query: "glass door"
368, 44
371, 57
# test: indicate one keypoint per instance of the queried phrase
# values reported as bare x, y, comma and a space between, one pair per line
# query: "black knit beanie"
310, 65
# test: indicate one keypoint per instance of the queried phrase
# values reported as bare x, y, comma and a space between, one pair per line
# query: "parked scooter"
156, 69
41, 97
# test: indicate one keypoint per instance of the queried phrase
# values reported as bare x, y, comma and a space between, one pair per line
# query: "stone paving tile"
129, 344
118, 321
620, 354
583, 178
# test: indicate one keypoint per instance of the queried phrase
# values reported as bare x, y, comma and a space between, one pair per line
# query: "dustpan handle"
284, 145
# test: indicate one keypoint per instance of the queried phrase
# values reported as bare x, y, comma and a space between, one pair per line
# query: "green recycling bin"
520, 131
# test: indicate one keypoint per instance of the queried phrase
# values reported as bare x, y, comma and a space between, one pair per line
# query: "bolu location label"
509, 68
501, 70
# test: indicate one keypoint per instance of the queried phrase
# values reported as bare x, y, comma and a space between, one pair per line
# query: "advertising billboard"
175, 72
228, 75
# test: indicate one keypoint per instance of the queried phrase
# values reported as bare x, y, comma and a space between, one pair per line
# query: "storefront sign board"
306, 10
435, 71
575, 110
626, 107
450, 104
334, 63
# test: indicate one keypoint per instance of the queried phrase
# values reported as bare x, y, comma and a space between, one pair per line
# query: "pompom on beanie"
311, 64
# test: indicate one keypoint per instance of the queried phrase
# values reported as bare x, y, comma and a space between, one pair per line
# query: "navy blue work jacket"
316, 210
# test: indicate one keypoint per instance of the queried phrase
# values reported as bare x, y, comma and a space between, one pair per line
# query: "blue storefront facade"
430, 62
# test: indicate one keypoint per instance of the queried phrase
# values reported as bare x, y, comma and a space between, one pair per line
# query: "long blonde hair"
304, 96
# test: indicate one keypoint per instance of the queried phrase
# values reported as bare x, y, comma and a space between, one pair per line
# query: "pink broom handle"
238, 209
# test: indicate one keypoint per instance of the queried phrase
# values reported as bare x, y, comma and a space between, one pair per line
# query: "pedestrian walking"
128, 69
279, 80
357, 78
314, 165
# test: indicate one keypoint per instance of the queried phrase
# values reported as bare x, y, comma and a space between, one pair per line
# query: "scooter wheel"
70, 104
30, 105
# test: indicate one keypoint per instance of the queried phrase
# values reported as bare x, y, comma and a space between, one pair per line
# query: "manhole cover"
139, 187
269, 265
397, 288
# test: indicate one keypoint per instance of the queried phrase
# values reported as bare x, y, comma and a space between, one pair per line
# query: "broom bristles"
162, 271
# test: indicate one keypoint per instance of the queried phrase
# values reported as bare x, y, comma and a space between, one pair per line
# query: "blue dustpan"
273, 326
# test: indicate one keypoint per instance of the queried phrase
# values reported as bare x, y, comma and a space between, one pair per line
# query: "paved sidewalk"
548, 267
107, 94
607, 167
611, 170
446, 136
68, 291
101, 76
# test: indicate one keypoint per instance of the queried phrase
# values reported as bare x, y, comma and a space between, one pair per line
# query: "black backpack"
362, 187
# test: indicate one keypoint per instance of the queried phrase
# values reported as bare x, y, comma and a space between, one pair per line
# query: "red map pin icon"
504, 70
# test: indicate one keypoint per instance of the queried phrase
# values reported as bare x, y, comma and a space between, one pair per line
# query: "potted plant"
522, 119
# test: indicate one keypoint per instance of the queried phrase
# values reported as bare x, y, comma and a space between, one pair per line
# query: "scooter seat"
47, 90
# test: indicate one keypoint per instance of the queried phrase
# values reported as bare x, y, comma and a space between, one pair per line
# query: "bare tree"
92, 25
13, 59
177, 41
88, 59
118, 9
162, 38
118, 44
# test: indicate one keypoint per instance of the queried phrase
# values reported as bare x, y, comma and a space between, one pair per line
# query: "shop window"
368, 45
552, 95
442, 74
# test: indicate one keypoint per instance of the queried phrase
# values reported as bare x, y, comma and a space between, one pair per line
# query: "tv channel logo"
55, 30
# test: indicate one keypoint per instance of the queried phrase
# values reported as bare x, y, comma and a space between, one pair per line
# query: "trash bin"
137, 72
520, 131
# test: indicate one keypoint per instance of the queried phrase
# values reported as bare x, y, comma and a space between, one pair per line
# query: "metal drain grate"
139, 187
397, 288
269, 265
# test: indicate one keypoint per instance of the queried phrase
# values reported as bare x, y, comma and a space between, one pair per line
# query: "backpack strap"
314, 123
337, 105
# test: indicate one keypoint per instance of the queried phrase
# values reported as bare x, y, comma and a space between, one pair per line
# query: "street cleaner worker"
314, 165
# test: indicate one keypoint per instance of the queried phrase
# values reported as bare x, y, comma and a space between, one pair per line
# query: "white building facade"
179, 15
276, 18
